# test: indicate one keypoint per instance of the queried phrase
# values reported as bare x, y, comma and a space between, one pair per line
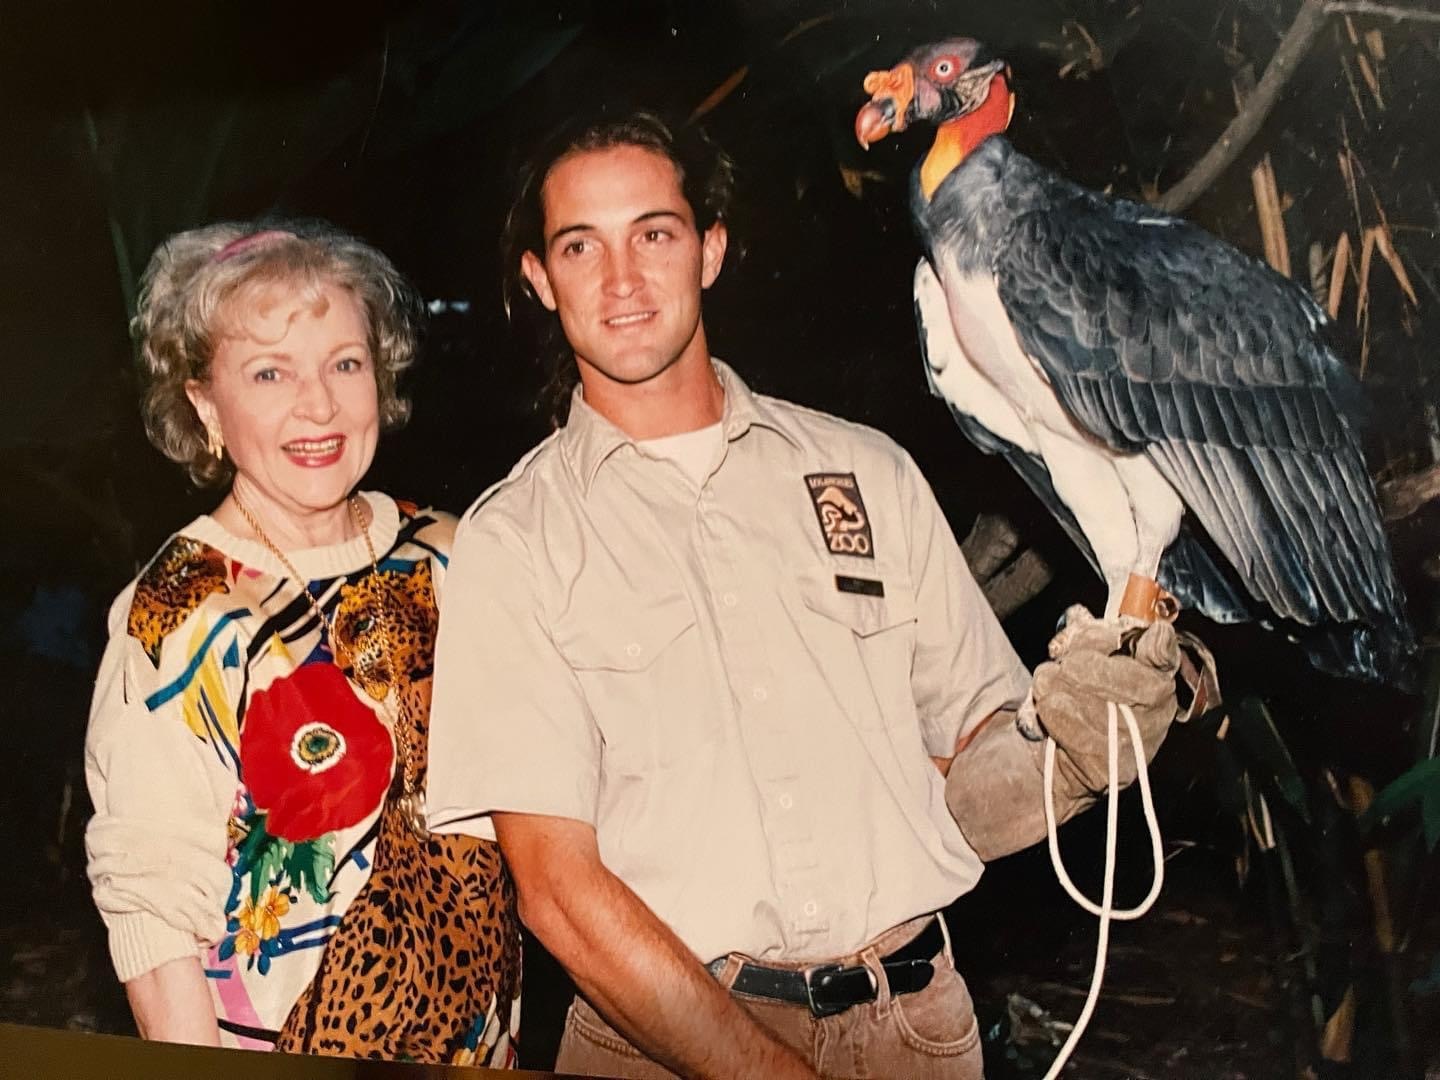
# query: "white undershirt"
696, 452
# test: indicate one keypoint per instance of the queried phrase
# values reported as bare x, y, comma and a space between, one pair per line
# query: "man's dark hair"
707, 180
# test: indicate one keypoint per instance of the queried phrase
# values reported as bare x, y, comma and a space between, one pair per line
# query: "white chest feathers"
976, 362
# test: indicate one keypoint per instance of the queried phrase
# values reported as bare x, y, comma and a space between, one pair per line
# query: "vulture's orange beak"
890, 95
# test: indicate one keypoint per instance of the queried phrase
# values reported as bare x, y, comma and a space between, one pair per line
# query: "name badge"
859, 585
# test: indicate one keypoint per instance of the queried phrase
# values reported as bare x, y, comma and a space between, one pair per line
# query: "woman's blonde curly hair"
185, 310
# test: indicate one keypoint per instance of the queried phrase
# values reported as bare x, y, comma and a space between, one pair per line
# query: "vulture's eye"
943, 69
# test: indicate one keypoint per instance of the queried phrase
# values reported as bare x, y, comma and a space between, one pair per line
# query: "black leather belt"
830, 988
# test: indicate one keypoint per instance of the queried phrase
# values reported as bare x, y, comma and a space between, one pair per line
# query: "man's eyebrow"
652, 214
649, 215
567, 230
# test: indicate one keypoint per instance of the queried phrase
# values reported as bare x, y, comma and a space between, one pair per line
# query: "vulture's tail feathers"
1195, 578
1379, 654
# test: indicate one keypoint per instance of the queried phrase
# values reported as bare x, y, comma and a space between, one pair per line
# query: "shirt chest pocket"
865, 631
640, 665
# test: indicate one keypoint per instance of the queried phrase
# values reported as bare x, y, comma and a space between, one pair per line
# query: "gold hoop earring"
215, 442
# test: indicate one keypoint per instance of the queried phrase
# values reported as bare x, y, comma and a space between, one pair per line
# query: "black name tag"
860, 585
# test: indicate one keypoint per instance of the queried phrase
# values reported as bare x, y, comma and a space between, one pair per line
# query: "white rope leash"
1105, 909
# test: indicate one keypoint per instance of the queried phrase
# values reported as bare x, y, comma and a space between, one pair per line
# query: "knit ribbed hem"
315, 563
140, 942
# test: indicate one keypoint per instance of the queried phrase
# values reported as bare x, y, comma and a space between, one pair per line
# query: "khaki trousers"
929, 1035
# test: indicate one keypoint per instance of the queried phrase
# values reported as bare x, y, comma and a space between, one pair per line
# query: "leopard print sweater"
274, 758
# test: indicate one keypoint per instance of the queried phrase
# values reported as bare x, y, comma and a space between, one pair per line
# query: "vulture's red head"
941, 82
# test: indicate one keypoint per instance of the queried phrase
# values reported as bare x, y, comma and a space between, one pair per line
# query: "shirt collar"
588, 439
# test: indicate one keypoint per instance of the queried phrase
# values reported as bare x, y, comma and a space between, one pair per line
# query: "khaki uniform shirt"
739, 685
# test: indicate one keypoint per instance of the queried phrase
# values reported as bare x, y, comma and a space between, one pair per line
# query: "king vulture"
1148, 381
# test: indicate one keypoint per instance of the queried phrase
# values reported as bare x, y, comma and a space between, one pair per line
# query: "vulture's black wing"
1186, 569
1159, 338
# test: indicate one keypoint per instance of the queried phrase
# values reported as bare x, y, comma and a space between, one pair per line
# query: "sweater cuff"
140, 942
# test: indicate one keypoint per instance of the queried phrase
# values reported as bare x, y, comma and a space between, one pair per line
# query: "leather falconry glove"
1093, 662
995, 788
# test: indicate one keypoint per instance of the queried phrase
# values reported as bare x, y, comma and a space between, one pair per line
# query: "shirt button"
759, 693
810, 907
633, 649
730, 599
786, 802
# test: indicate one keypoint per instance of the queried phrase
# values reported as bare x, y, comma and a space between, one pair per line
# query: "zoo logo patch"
841, 510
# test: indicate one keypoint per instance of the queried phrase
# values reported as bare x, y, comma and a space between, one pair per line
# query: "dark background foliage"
405, 122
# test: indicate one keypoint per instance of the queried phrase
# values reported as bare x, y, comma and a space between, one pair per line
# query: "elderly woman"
256, 749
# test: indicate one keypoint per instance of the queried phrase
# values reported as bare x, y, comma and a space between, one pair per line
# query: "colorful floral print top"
237, 772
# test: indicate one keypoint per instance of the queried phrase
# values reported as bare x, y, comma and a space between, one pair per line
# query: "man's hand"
1094, 662
628, 963
994, 788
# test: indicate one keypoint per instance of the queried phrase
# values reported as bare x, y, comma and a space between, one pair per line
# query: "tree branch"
1019, 583
1008, 584
1383, 11
1292, 48
1403, 496
991, 542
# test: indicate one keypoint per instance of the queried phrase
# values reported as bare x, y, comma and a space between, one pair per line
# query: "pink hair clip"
245, 243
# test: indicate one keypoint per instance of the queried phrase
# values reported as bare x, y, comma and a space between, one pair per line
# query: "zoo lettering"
840, 509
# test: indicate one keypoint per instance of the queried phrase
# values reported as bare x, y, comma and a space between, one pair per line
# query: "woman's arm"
155, 847
172, 1003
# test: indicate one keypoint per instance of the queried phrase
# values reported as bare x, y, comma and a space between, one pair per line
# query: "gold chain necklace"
411, 802
329, 624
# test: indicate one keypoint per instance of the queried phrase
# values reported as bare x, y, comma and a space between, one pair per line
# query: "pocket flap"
624, 638
866, 605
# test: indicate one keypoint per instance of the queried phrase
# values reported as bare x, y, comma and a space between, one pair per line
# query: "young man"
706, 657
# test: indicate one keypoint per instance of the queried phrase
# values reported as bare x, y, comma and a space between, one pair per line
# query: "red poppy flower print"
314, 757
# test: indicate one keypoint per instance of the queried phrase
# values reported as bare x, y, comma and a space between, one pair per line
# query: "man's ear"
534, 271
712, 253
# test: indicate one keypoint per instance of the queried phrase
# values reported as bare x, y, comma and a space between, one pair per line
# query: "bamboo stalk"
1272, 221
1347, 172
1337, 275
1384, 242
1339, 1033
1264, 188
1288, 920
720, 93
1362, 297
1362, 794
1354, 89
1364, 346
1367, 72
